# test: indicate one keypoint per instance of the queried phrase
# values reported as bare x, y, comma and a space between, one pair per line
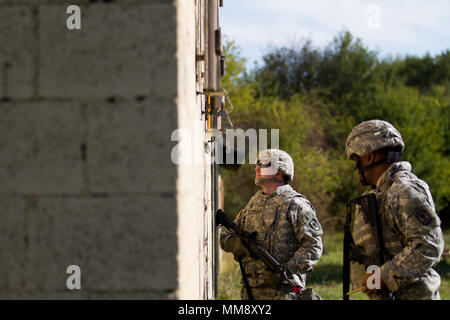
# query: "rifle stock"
253, 247
258, 251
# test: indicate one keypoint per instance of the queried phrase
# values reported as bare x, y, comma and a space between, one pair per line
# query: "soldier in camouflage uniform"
282, 221
412, 241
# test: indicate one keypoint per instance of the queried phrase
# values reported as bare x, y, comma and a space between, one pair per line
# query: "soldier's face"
263, 173
258, 175
359, 163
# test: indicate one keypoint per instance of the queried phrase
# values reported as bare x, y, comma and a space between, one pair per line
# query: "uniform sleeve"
229, 240
414, 214
308, 233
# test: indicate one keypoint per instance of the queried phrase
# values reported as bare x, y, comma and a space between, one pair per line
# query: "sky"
393, 28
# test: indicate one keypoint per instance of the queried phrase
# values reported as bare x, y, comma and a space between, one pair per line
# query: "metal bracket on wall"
213, 138
221, 111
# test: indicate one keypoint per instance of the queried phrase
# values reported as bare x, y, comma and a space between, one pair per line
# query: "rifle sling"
245, 280
348, 241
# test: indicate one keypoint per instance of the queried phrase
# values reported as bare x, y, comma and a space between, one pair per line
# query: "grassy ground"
326, 279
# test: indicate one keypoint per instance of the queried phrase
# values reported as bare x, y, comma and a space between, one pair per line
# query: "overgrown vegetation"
315, 96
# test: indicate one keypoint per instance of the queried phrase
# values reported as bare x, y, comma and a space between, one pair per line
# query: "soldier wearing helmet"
411, 237
283, 221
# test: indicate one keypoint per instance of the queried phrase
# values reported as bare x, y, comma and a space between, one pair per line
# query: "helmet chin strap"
274, 179
375, 164
392, 157
362, 177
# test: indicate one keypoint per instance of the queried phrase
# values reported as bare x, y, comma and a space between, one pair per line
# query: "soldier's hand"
242, 248
241, 252
246, 242
236, 246
251, 236
366, 290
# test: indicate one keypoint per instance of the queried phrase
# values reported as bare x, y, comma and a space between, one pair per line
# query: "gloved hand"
250, 235
246, 244
293, 280
241, 252
288, 272
240, 247
285, 270
366, 290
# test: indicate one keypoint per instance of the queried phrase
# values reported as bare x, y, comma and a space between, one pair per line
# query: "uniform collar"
282, 189
278, 191
388, 176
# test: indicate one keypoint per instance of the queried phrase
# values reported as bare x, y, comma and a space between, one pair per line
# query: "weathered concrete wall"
194, 181
85, 170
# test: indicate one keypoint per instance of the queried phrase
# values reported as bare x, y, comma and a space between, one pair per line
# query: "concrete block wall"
85, 173
194, 180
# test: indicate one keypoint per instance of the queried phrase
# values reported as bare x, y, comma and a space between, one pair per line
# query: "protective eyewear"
263, 165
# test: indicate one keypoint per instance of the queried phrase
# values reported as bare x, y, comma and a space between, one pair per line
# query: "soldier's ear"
371, 157
279, 174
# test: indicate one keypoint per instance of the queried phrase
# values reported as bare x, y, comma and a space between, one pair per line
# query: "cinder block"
13, 243
40, 147
129, 147
121, 244
124, 51
16, 52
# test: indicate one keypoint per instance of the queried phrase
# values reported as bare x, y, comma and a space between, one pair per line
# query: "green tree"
315, 96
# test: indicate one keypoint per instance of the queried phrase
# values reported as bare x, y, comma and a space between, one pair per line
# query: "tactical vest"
393, 241
268, 217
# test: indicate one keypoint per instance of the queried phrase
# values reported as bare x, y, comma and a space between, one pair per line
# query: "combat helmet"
278, 160
372, 135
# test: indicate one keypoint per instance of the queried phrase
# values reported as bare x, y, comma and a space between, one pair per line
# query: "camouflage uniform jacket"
411, 235
286, 225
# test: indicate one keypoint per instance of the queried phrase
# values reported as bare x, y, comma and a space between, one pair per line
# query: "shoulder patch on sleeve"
311, 222
314, 225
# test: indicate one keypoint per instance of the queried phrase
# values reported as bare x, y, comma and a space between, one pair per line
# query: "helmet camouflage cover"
279, 160
372, 135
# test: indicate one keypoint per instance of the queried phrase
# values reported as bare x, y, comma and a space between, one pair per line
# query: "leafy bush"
315, 96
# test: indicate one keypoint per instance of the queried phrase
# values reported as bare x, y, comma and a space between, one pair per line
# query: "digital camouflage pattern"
287, 227
372, 135
411, 233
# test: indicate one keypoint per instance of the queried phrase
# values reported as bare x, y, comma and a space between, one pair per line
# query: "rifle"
258, 252
369, 210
